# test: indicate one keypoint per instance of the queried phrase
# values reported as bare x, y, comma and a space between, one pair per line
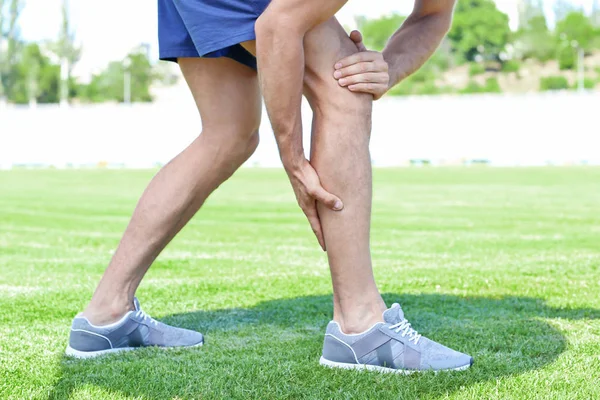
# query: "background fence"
534, 129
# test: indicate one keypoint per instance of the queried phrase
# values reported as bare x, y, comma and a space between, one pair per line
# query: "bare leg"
340, 154
228, 99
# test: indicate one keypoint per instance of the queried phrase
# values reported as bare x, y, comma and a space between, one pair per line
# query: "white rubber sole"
71, 352
377, 368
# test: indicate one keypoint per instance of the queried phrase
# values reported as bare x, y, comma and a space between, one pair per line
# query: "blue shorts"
208, 28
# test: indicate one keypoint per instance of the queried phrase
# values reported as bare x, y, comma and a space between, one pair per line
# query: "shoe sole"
71, 352
332, 364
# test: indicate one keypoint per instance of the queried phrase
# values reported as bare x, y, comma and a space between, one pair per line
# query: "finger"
356, 58
372, 88
359, 68
369, 77
331, 201
357, 38
315, 224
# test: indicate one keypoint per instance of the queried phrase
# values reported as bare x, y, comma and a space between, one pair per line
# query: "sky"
108, 29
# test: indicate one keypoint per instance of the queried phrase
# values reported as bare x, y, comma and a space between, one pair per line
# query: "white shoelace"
404, 327
146, 318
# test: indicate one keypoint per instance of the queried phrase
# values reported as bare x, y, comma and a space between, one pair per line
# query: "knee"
334, 103
341, 107
249, 145
232, 146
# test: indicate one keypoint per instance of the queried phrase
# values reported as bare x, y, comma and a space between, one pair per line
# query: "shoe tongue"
136, 304
394, 314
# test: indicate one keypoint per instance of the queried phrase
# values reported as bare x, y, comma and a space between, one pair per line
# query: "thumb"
330, 200
357, 38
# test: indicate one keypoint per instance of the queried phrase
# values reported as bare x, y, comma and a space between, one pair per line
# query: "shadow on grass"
271, 351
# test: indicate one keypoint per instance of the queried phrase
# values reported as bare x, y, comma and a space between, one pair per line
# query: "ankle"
107, 312
360, 318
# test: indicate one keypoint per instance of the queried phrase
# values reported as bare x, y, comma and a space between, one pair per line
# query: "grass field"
502, 264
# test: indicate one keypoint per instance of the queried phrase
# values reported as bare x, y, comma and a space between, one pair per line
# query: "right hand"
308, 190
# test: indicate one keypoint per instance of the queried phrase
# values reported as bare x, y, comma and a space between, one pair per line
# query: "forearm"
414, 43
280, 55
280, 32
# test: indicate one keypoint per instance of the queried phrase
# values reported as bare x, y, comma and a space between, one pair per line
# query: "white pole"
64, 83
580, 69
127, 94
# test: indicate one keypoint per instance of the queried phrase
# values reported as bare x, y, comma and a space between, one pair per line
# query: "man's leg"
340, 155
228, 99
363, 334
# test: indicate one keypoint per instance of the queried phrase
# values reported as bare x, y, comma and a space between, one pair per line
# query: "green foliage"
36, 77
428, 88
576, 27
567, 58
553, 83
110, 84
562, 8
165, 73
404, 88
528, 11
535, 40
472, 87
376, 32
10, 43
588, 83
491, 86
476, 69
423, 81
479, 28
511, 66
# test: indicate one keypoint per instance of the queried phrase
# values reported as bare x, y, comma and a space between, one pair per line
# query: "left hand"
365, 71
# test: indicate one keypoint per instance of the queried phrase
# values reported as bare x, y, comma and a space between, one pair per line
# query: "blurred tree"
2, 90
109, 85
528, 10
37, 78
567, 57
424, 80
511, 66
553, 83
68, 53
492, 85
576, 30
535, 41
476, 69
32, 62
479, 29
376, 32
562, 8
9, 30
166, 73
595, 17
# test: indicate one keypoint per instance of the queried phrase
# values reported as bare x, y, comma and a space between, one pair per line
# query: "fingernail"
337, 74
342, 82
338, 205
338, 65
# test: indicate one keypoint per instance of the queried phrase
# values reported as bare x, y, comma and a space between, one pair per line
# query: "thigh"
324, 45
226, 92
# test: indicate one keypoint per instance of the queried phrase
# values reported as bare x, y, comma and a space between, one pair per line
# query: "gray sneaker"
392, 346
135, 329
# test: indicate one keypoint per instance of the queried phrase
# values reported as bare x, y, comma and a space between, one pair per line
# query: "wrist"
396, 68
292, 161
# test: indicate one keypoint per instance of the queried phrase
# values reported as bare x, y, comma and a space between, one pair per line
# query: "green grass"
499, 263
